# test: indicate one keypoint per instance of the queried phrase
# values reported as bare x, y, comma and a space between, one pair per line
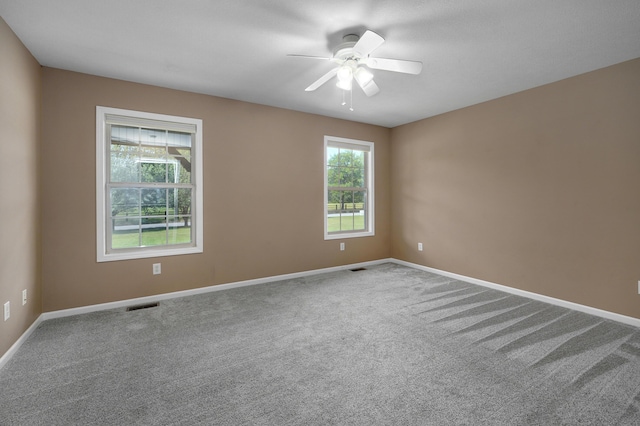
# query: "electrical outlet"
157, 269
7, 310
24, 297
419, 246
341, 246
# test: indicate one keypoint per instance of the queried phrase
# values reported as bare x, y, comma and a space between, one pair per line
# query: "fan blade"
311, 57
397, 65
369, 42
322, 80
365, 81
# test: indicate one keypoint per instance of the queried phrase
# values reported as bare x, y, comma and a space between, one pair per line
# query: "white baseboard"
156, 298
209, 289
547, 299
14, 348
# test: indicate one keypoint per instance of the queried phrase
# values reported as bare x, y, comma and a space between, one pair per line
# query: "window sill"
147, 253
349, 235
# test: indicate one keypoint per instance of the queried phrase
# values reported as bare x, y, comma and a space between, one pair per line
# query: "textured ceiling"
472, 50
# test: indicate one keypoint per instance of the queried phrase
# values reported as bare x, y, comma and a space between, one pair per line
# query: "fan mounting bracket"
344, 51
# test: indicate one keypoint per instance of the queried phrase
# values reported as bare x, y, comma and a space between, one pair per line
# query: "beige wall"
19, 186
263, 189
539, 190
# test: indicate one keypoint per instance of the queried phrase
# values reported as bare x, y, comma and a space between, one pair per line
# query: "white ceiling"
472, 50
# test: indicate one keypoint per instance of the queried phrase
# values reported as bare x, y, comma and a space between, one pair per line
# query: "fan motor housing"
344, 50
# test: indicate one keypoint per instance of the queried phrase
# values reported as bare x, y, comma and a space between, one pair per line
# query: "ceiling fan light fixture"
344, 84
363, 76
345, 76
354, 53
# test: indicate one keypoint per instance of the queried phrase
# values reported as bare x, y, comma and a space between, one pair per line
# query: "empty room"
313, 213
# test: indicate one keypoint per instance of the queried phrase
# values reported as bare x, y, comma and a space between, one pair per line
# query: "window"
348, 188
149, 184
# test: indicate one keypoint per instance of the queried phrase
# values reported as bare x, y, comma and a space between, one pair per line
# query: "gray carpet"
389, 345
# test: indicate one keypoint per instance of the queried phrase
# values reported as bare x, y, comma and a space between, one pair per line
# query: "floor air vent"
358, 269
145, 306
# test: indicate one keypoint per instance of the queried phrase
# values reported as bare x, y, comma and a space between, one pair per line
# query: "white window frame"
334, 141
102, 162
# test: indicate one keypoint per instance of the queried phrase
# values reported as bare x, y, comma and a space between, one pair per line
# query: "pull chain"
344, 100
351, 100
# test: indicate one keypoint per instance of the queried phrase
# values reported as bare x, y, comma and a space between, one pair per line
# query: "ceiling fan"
351, 55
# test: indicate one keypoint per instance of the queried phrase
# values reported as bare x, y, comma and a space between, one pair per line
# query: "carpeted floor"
389, 345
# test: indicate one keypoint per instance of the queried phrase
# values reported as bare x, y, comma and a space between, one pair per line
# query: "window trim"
370, 174
103, 255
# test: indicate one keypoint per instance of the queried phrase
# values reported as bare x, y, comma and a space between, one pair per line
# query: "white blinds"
149, 123
346, 145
